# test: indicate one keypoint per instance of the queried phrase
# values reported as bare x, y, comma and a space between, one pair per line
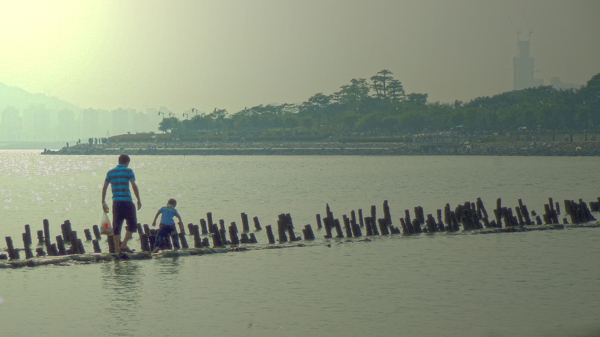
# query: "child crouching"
167, 224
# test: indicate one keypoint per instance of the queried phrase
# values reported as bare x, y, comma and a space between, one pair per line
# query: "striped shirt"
119, 179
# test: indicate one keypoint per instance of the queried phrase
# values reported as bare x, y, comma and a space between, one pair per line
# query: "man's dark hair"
172, 202
124, 159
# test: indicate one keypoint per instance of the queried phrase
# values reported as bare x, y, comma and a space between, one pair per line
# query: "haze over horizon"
232, 54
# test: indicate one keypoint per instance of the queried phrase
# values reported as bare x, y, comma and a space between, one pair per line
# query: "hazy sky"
235, 53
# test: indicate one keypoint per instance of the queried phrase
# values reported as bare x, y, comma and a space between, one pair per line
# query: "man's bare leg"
128, 236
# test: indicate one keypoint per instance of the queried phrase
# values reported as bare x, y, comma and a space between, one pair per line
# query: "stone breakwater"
512, 148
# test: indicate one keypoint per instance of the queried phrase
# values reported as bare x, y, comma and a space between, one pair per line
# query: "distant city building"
523, 68
558, 84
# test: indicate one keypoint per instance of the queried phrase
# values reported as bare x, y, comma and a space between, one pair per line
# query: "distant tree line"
381, 107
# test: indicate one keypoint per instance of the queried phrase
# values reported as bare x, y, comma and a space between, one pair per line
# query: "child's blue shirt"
167, 214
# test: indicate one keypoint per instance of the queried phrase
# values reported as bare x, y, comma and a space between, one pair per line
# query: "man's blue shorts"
124, 210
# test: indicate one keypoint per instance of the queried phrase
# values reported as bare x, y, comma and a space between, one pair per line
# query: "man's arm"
180, 221
104, 205
137, 194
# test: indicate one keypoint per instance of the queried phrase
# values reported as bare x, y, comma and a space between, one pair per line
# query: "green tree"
169, 124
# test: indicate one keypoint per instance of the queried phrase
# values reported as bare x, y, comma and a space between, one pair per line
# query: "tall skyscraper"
523, 68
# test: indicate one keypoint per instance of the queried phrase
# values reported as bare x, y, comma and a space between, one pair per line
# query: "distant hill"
21, 99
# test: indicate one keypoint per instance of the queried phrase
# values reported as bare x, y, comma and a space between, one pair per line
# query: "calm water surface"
518, 284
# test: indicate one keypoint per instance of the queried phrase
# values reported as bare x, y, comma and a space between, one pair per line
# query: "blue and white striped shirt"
119, 179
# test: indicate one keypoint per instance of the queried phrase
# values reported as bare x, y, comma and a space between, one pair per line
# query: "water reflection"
123, 282
168, 266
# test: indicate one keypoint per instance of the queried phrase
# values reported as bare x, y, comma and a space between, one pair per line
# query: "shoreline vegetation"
540, 145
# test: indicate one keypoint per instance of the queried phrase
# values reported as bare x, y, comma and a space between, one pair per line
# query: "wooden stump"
88, 234
183, 241
245, 225
111, 244
28, 253
97, 248
253, 238
256, 223
270, 234
28, 232
96, 231
61, 245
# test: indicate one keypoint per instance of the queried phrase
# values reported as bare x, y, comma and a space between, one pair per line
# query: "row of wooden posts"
470, 215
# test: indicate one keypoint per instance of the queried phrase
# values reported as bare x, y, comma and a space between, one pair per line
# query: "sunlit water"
517, 284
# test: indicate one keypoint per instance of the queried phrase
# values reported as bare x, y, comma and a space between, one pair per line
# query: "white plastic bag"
105, 227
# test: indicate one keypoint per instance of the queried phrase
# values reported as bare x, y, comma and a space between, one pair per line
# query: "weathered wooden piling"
383, 226
80, 248
252, 238
203, 226
347, 227
74, 245
440, 223
361, 220
356, 232
386, 213
13, 254
39, 252
111, 244
209, 219
147, 229
404, 228
61, 245
338, 229
290, 227
328, 224
96, 231
216, 238
88, 234
233, 234
319, 225
244, 238
223, 231
281, 228
152, 240
430, 224
46, 233
40, 235
28, 253
97, 248
371, 226
140, 229
417, 226
245, 225
256, 224
183, 241
181, 228
368, 226
28, 234
373, 212
196, 232
270, 234
308, 233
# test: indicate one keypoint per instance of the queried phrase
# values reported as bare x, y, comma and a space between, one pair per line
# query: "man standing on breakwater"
119, 179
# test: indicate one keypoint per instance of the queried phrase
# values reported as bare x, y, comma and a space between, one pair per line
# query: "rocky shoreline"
511, 148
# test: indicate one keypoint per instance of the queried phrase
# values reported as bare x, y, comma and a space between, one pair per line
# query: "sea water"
516, 284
